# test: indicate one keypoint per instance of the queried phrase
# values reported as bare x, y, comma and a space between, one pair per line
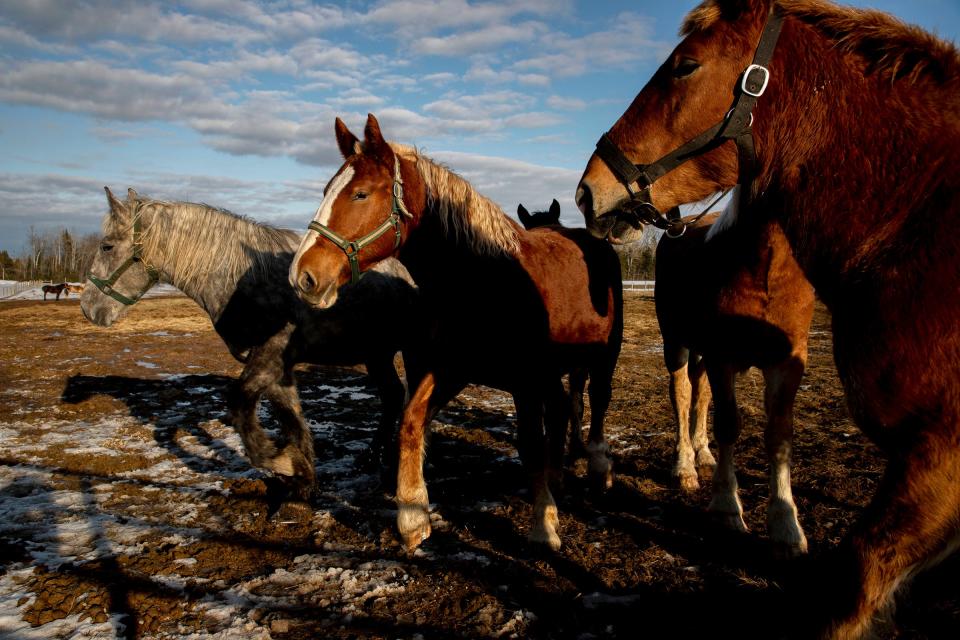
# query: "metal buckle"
746, 76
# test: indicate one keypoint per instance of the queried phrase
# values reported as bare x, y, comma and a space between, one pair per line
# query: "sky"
232, 102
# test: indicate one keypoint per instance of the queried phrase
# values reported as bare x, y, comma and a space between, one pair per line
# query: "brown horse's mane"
464, 213
887, 45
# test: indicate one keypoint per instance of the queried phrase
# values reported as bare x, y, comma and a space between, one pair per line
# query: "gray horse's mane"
464, 213
197, 241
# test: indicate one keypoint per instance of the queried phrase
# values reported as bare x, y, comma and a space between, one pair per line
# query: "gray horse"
236, 270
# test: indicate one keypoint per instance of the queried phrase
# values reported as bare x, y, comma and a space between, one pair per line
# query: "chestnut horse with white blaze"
846, 125
505, 308
723, 306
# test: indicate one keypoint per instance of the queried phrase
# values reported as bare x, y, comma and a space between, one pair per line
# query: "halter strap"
106, 285
352, 248
736, 126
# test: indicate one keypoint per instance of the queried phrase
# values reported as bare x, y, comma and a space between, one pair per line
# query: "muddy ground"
128, 509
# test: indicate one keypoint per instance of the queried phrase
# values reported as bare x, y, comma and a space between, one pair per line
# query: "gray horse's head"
117, 276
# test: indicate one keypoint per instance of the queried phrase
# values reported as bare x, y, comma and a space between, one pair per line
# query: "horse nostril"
584, 199
306, 282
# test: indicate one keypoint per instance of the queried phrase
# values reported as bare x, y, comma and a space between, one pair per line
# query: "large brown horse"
739, 301
506, 308
856, 152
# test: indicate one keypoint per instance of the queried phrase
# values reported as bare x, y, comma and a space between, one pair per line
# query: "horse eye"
360, 195
106, 247
685, 67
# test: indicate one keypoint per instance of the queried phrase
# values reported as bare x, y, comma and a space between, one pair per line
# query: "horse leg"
699, 410
677, 361
413, 517
578, 382
600, 467
532, 448
263, 370
911, 524
392, 394
297, 456
725, 503
556, 419
782, 382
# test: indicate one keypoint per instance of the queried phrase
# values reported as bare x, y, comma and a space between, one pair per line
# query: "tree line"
55, 255
60, 256
637, 259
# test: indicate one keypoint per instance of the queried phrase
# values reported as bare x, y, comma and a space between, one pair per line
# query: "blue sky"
231, 102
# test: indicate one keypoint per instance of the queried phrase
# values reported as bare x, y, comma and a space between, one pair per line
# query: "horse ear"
117, 208
348, 143
555, 210
524, 215
373, 140
131, 194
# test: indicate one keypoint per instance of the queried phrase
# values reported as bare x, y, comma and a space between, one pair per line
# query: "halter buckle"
747, 79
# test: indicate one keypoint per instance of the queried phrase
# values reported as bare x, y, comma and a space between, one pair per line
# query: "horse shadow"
171, 406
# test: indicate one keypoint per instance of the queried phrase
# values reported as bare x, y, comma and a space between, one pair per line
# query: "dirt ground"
127, 508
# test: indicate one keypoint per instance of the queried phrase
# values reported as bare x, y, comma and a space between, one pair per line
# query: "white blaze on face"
322, 217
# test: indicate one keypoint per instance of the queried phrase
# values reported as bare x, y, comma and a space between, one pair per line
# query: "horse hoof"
545, 537
784, 551
731, 521
687, 482
705, 471
413, 522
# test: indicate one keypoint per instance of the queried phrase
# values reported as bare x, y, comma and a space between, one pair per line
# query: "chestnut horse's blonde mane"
888, 45
197, 241
464, 214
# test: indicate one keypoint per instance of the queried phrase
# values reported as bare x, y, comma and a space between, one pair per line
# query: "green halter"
352, 247
106, 286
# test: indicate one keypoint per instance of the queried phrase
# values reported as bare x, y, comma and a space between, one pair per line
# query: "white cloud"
92, 87
485, 39
566, 104
511, 182
630, 40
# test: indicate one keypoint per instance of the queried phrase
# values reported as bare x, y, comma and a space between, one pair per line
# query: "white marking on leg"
725, 502
546, 519
322, 216
281, 464
599, 466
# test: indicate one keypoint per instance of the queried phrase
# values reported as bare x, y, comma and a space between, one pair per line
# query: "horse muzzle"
312, 292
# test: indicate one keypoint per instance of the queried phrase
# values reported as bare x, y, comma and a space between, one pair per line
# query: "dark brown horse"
578, 378
506, 308
55, 288
856, 137
723, 306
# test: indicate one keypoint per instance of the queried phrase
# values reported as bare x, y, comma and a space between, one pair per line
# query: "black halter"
736, 126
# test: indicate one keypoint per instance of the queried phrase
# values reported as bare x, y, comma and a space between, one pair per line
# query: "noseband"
106, 285
736, 126
353, 247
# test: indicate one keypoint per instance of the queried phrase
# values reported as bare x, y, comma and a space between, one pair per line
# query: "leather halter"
736, 126
106, 285
353, 247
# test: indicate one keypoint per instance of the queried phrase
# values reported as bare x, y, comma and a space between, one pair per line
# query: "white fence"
8, 290
639, 286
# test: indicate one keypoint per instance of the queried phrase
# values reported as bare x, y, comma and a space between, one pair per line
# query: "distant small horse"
507, 308
55, 288
724, 306
578, 378
236, 270
803, 124
74, 288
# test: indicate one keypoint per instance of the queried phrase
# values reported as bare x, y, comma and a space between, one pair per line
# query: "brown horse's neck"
868, 156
